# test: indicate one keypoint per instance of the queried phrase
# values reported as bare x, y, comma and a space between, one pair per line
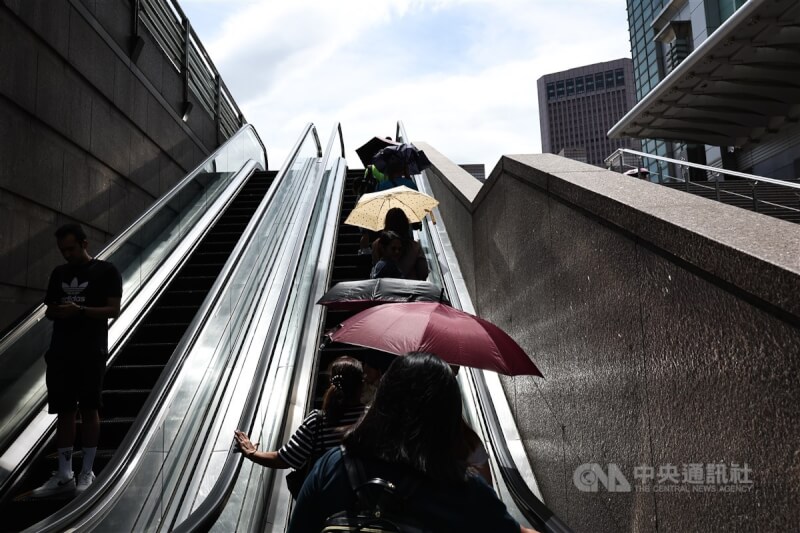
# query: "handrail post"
687, 179
753, 185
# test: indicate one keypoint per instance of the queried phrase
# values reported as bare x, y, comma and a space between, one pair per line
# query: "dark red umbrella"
457, 337
363, 294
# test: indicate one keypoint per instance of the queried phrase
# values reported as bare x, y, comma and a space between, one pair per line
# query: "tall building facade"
578, 106
662, 34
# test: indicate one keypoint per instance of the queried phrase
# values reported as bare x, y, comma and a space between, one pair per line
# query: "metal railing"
216, 314
171, 29
303, 327
727, 192
136, 251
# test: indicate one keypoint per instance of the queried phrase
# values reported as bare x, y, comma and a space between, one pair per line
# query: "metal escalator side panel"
271, 388
272, 500
30, 437
127, 482
135, 252
162, 278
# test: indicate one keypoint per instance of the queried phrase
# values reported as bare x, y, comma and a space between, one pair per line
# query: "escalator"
137, 365
481, 401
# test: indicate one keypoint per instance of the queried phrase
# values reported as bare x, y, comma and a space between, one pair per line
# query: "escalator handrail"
36, 313
528, 503
114, 470
205, 515
124, 321
109, 484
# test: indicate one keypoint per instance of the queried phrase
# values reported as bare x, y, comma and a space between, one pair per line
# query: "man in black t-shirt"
81, 296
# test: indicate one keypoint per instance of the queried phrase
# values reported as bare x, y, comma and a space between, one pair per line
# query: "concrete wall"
85, 134
668, 330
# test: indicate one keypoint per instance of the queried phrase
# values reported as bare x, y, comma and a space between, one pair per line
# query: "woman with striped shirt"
323, 428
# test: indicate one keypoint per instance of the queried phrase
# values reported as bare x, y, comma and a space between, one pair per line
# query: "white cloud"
461, 74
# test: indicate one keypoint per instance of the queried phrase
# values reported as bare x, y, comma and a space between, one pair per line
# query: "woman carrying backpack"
321, 430
412, 441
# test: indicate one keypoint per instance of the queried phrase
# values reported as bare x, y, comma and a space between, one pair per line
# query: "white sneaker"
84, 480
55, 485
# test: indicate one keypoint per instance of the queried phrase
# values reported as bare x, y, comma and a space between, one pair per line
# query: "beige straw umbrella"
370, 211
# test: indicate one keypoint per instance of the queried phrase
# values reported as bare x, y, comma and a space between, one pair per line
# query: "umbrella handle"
433, 217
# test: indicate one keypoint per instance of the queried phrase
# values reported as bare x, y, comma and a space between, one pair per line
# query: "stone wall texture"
668, 330
86, 134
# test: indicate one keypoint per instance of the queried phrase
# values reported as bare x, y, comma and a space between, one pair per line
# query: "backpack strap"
359, 482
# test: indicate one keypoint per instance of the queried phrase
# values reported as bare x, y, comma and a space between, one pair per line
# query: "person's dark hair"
71, 229
397, 221
387, 237
347, 378
415, 419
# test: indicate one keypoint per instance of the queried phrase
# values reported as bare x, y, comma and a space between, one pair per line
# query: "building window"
609, 79
619, 76
551, 91
570, 87
579, 85
598, 81
590, 84
728, 7
560, 89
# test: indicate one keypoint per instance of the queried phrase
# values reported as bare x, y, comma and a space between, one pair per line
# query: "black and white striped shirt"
301, 445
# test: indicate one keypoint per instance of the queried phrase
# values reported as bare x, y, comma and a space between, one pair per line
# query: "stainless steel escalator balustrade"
187, 442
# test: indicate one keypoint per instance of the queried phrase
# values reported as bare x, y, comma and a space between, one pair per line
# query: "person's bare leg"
90, 427
90, 434
65, 430
65, 439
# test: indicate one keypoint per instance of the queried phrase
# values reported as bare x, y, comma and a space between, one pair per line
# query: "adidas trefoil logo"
74, 288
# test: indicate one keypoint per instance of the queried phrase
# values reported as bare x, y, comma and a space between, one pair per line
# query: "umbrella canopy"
401, 156
636, 172
368, 150
370, 211
363, 294
457, 337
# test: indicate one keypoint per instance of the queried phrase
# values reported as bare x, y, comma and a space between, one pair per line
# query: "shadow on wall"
665, 354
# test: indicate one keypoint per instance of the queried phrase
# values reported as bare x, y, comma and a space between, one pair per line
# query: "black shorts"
74, 381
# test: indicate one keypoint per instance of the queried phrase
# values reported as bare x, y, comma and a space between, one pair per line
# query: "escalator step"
123, 403
154, 353
138, 376
112, 431
201, 269
177, 313
160, 332
193, 283
184, 297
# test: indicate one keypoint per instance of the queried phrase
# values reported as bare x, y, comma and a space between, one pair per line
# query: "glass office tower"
662, 34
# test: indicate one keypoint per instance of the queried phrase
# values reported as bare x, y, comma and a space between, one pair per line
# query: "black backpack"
379, 505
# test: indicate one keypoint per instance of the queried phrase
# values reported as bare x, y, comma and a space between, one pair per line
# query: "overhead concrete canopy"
740, 85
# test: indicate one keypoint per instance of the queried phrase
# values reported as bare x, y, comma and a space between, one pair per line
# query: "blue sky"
461, 74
